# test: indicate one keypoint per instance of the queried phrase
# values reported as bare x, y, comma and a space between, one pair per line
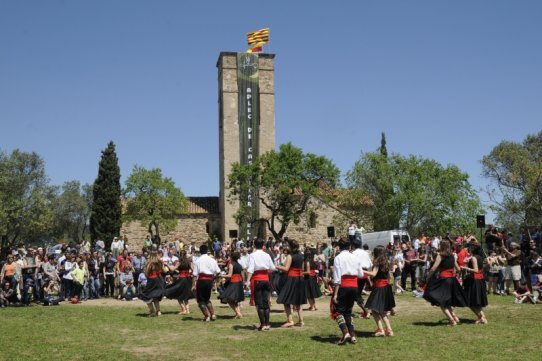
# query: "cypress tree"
106, 213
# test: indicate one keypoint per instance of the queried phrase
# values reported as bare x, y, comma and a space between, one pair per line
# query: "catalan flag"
256, 37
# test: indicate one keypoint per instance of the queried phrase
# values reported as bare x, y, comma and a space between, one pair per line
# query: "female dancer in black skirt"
278, 278
153, 292
475, 284
445, 290
234, 292
381, 300
182, 289
311, 279
293, 293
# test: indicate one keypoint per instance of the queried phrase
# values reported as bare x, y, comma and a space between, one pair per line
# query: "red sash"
184, 274
349, 281
155, 274
380, 282
478, 275
312, 273
295, 272
236, 278
205, 277
447, 273
261, 275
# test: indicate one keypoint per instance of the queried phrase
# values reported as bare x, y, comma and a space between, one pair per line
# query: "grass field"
114, 330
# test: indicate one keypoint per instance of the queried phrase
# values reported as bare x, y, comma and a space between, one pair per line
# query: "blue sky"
446, 80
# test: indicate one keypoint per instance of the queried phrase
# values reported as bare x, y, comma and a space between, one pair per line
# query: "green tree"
25, 198
153, 200
372, 176
516, 171
426, 196
287, 181
106, 211
72, 211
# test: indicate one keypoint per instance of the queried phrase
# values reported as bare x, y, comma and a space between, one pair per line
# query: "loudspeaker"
481, 221
331, 232
233, 233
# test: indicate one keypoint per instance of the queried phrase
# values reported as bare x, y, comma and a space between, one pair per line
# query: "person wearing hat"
513, 270
115, 247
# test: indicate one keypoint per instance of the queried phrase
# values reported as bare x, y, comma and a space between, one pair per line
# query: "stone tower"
246, 100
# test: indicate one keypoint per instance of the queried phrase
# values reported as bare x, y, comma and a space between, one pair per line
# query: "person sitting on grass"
51, 295
7, 294
420, 288
125, 276
129, 291
522, 294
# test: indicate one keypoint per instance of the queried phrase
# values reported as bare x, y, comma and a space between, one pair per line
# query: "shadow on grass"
430, 324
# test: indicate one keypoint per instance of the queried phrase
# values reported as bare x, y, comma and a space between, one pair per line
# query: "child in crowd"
420, 288
6, 294
52, 294
397, 271
522, 294
28, 291
129, 292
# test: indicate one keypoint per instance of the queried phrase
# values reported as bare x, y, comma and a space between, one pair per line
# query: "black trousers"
409, 270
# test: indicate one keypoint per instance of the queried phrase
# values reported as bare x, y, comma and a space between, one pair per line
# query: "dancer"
259, 266
445, 291
475, 284
381, 300
153, 292
293, 294
205, 268
346, 271
366, 264
311, 279
182, 289
234, 292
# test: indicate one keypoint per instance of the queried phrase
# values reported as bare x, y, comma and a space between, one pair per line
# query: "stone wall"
190, 228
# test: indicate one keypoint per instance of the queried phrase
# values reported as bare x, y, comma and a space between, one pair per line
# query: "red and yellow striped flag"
256, 37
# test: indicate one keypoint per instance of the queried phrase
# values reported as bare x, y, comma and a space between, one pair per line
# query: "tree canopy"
72, 211
414, 193
25, 198
154, 200
287, 181
516, 171
106, 212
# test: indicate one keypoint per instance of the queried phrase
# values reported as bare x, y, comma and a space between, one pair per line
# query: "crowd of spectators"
78, 272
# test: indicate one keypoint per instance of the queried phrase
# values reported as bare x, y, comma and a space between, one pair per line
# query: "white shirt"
259, 260
416, 244
351, 231
435, 243
243, 261
346, 263
205, 264
364, 258
115, 245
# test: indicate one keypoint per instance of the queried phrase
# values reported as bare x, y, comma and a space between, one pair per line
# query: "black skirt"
313, 290
475, 292
381, 299
445, 292
180, 290
277, 280
153, 291
293, 292
234, 292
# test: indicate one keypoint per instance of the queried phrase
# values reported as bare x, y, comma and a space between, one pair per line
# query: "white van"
384, 238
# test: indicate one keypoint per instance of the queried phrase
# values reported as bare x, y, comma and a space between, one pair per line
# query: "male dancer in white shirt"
259, 266
346, 271
205, 269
